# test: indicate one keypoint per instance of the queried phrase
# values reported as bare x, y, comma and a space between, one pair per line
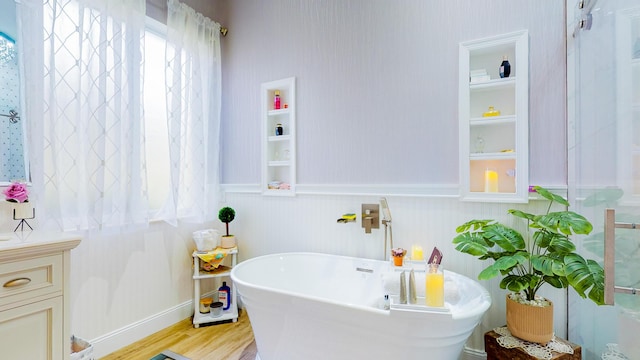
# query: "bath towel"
214, 257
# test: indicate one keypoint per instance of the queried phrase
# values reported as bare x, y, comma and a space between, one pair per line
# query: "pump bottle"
224, 296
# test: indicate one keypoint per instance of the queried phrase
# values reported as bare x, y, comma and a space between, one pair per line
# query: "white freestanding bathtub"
318, 306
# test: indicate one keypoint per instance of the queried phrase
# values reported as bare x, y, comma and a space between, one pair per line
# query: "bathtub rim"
301, 295
483, 306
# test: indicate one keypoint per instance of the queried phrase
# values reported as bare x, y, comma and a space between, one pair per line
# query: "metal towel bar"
610, 226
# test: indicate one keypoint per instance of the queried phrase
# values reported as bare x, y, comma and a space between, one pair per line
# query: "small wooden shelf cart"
222, 271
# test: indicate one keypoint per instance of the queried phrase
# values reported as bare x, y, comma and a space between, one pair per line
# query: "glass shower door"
604, 163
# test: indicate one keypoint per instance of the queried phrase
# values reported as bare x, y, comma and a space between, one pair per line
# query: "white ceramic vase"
227, 241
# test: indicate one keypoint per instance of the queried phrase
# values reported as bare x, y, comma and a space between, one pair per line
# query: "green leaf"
565, 222
505, 263
522, 214
561, 245
473, 225
605, 197
558, 265
515, 283
507, 238
471, 243
488, 273
551, 196
543, 263
585, 277
542, 239
558, 282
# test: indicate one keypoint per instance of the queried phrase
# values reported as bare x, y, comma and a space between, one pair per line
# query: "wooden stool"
496, 352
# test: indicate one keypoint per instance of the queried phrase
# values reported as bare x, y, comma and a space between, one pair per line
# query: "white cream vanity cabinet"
34, 295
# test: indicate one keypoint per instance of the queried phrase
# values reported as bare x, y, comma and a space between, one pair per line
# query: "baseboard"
472, 354
133, 332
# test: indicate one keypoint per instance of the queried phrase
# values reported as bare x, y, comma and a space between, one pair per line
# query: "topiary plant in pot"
226, 215
543, 255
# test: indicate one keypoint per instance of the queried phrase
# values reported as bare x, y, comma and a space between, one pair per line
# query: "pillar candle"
490, 181
417, 253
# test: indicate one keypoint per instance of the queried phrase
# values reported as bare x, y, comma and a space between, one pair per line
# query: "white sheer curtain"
193, 111
86, 138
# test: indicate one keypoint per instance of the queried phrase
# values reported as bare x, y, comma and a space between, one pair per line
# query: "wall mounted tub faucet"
386, 221
370, 217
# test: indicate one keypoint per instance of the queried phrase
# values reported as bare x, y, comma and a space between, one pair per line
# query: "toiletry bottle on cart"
224, 296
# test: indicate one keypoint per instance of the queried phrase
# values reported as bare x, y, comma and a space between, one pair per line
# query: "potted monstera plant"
226, 215
544, 254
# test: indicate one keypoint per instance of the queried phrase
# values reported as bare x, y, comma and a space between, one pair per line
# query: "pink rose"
17, 192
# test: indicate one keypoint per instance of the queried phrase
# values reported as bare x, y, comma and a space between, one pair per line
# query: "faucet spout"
367, 224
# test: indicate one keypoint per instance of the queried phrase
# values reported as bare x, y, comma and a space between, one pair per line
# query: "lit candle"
490, 181
416, 253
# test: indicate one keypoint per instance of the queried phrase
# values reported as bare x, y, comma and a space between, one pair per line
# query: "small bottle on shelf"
505, 67
479, 144
276, 100
279, 130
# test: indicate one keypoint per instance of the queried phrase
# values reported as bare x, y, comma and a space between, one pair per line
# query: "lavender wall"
377, 85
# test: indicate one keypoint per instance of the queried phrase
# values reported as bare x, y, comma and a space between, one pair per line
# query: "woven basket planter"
530, 323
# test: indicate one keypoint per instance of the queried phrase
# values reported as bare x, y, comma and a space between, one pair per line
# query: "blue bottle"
224, 296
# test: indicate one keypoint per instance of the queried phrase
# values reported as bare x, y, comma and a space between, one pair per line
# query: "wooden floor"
222, 341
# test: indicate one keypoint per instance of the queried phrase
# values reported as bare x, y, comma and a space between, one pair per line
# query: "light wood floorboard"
218, 341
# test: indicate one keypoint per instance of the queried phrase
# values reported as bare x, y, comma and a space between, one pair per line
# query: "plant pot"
397, 260
227, 241
22, 211
530, 323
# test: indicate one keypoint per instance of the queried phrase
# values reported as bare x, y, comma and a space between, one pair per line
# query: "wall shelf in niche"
493, 84
493, 119
280, 138
278, 111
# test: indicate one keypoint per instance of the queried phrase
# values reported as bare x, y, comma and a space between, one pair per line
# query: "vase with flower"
17, 193
398, 256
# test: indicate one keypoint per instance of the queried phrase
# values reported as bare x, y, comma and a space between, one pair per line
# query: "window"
155, 117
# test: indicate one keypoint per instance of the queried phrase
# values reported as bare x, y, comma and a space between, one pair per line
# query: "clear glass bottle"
479, 144
434, 285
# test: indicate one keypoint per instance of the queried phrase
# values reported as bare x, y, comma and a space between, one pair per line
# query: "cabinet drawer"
29, 278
